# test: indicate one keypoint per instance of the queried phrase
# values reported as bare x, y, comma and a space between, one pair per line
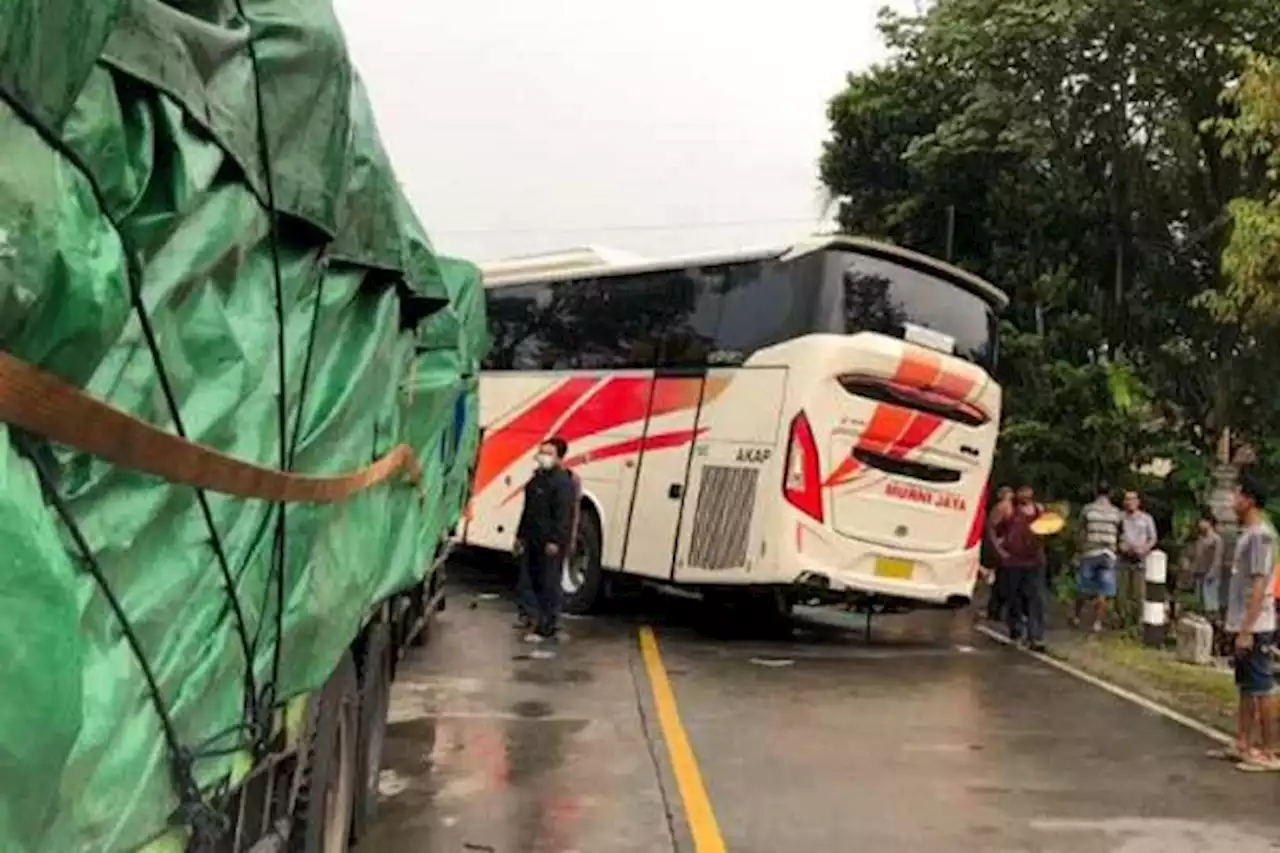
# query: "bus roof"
562, 261
575, 263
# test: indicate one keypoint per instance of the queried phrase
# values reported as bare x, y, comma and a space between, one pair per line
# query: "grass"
1203, 693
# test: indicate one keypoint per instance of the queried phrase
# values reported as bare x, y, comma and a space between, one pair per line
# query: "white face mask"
545, 461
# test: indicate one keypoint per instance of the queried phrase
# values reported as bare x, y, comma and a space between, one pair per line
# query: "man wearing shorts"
1096, 579
1251, 617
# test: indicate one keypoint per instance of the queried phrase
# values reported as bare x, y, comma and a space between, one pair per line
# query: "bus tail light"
979, 525
802, 486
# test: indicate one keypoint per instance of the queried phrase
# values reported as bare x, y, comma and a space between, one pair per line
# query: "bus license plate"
899, 570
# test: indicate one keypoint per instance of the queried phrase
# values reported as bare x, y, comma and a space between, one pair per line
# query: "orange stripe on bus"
957, 386
919, 369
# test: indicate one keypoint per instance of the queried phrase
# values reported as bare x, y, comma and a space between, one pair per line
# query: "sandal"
1260, 762
1226, 753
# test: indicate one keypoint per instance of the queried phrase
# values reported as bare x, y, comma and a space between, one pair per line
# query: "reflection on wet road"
927, 738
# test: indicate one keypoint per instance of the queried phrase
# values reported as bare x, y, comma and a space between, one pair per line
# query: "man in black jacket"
543, 539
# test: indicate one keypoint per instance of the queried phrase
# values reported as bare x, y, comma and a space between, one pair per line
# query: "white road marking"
1116, 690
1157, 835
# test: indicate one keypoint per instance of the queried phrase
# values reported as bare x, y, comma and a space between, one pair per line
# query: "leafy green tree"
1078, 146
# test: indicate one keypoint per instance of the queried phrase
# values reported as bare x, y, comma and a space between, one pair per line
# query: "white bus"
809, 421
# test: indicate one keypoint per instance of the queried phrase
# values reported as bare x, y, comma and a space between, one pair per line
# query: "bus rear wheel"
762, 611
582, 578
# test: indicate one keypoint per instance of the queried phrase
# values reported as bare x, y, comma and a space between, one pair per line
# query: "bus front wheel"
582, 579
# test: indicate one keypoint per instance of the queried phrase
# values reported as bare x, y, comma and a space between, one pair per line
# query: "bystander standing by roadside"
543, 538
997, 580
1096, 578
1023, 560
1251, 618
1207, 566
1137, 539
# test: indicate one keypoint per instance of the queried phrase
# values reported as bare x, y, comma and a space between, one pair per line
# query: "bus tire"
582, 580
326, 794
759, 611
375, 702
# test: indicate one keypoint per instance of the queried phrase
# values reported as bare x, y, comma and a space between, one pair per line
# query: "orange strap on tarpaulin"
57, 411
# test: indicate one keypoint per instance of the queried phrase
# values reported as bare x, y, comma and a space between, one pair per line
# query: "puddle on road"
532, 709
551, 676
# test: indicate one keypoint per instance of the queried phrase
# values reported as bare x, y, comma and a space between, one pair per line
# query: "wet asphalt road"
926, 738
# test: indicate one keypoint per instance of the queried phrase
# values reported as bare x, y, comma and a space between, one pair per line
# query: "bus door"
670, 428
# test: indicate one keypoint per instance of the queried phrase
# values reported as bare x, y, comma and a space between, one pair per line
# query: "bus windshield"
863, 293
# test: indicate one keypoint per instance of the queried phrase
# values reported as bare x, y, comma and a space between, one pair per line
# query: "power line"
813, 220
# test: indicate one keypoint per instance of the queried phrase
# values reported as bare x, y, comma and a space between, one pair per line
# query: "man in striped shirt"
1100, 523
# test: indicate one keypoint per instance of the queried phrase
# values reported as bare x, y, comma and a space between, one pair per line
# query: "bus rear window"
877, 295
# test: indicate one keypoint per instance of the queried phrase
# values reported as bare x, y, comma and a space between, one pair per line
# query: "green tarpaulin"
131, 158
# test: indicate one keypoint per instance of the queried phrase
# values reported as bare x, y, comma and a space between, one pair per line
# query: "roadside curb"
1212, 733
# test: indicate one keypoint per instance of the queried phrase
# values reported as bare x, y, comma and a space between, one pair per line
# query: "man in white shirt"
1137, 539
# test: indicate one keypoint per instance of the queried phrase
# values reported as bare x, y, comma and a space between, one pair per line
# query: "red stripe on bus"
627, 400
920, 430
661, 441
505, 445
619, 401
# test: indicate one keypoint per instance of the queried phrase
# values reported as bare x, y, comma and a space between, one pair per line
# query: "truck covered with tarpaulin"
238, 406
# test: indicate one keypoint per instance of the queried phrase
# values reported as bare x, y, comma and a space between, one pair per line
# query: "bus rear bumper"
866, 574
823, 587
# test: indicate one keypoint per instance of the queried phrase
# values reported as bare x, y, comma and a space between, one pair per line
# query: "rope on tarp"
45, 405
199, 814
215, 539
279, 551
191, 802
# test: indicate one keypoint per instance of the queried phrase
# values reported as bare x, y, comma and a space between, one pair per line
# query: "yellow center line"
684, 766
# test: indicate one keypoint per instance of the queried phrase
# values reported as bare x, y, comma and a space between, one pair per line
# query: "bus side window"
692, 300
513, 319
765, 303
607, 323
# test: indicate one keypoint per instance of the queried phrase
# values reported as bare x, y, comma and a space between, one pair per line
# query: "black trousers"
999, 595
539, 589
1028, 589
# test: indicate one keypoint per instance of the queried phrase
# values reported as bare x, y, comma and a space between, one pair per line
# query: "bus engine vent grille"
722, 520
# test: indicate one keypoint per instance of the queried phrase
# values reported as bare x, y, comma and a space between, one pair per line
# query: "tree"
1081, 144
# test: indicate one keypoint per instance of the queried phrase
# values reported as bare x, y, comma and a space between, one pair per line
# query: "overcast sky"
670, 127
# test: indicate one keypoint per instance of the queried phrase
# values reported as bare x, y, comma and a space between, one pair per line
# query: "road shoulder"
1204, 694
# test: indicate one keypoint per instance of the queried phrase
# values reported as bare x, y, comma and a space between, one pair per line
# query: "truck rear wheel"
375, 701
326, 796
